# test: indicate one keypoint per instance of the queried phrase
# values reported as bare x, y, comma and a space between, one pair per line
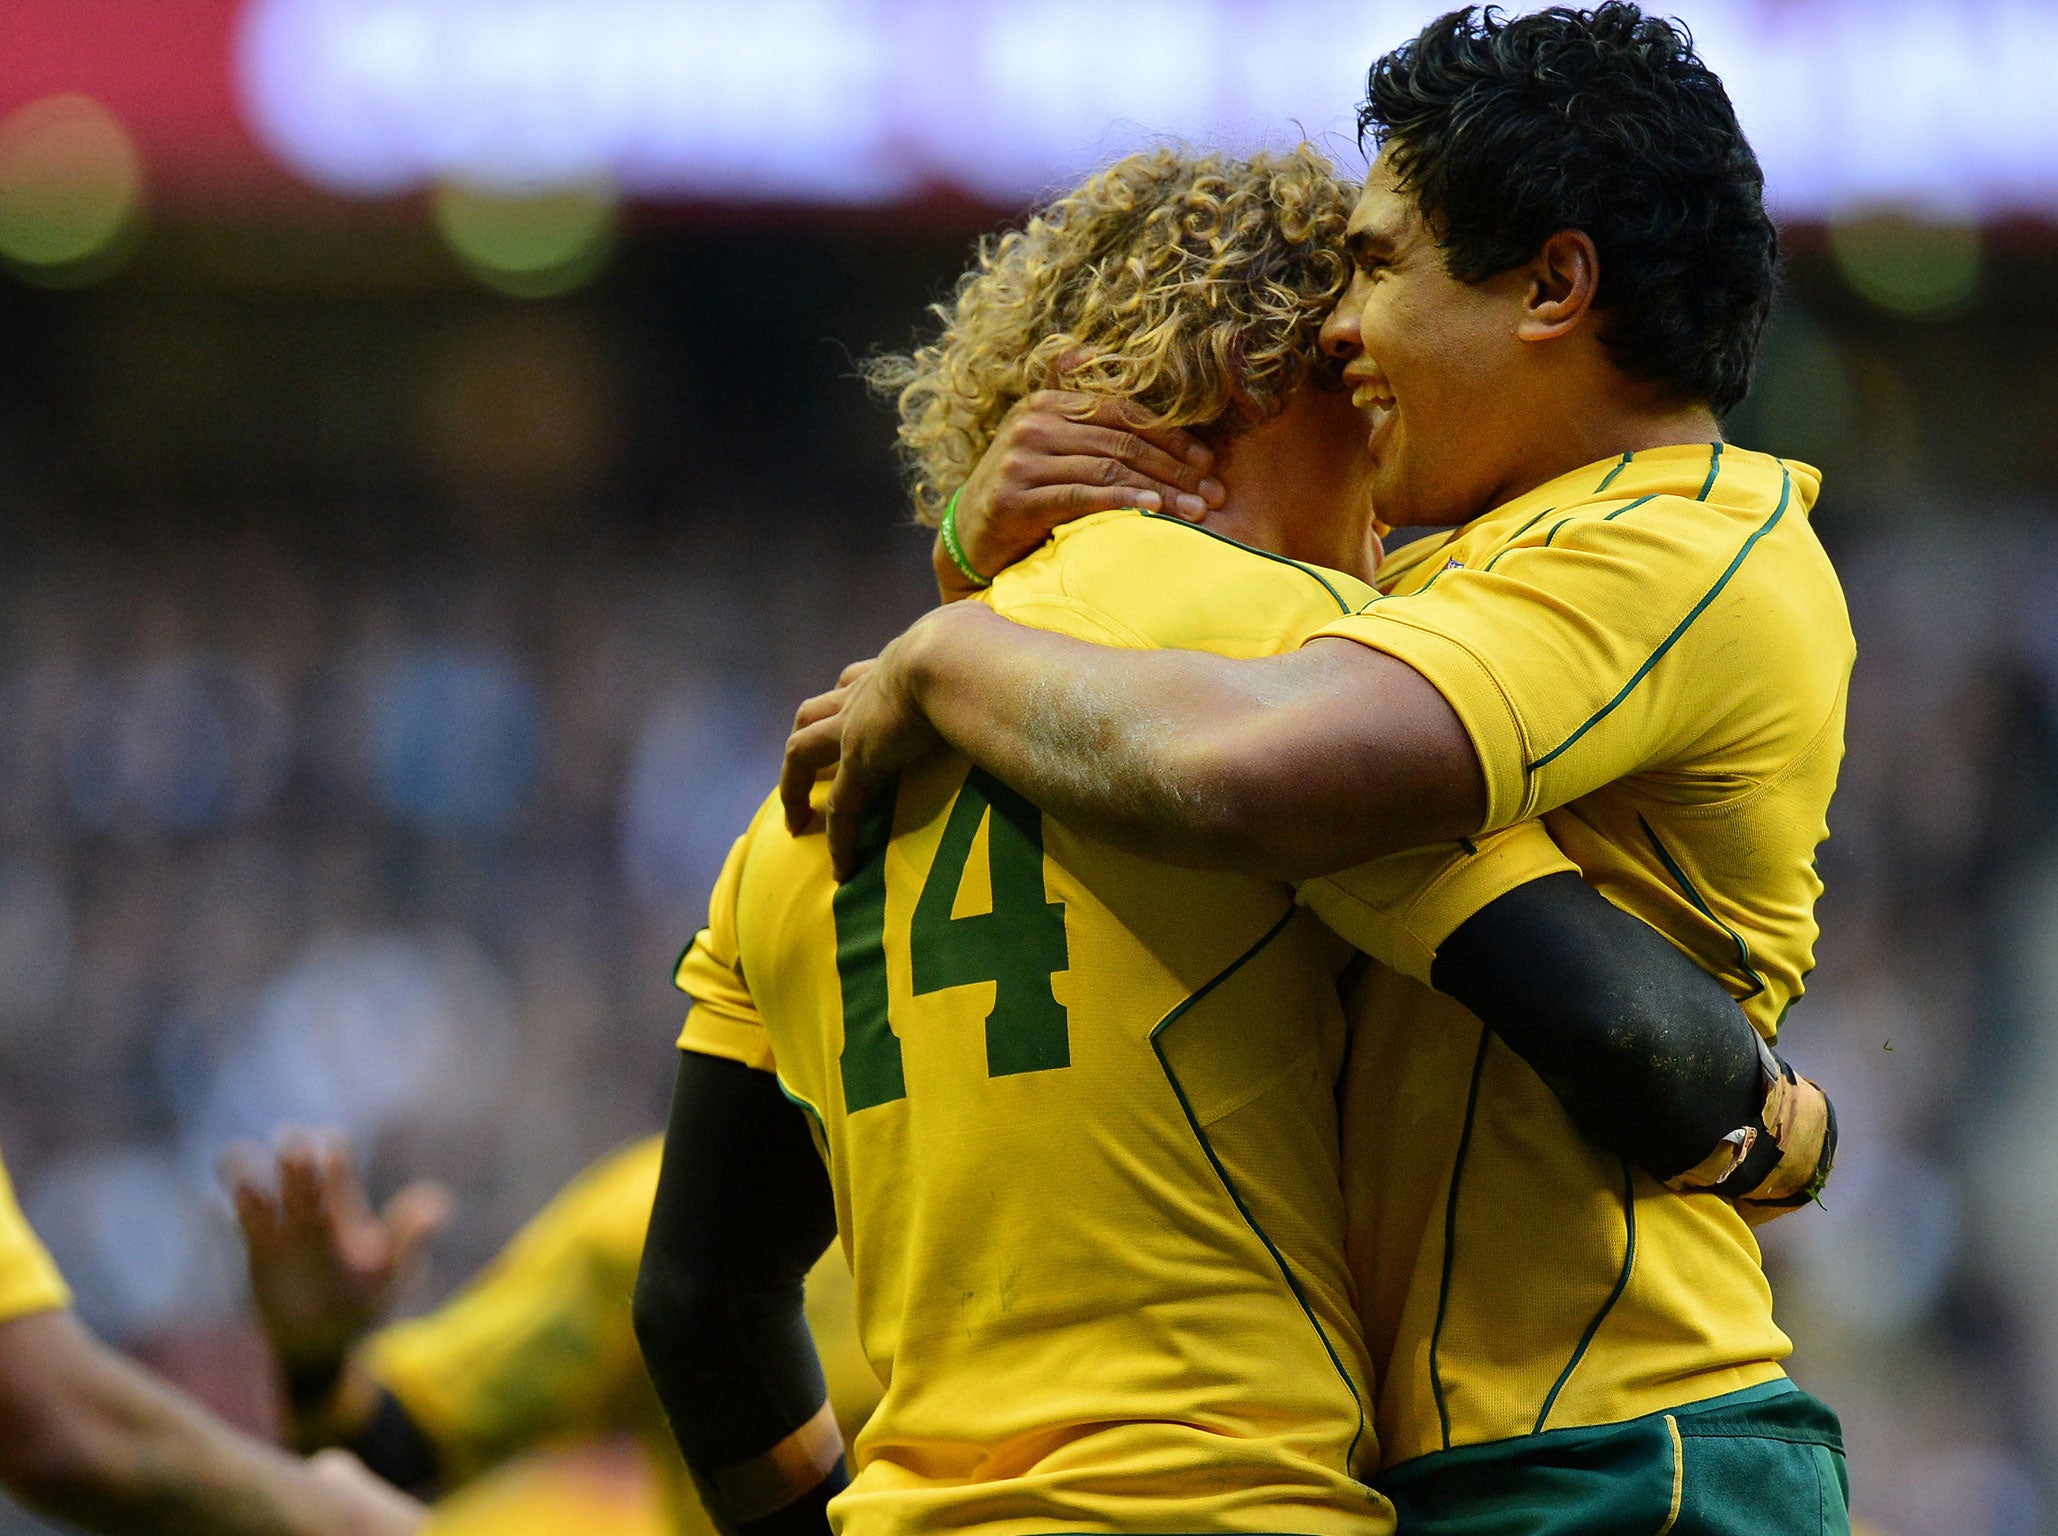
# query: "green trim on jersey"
1510, 544
1621, 1284
1609, 478
1714, 469
1786, 491
1263, 554
1450, 1238
1417, 551
808, 1109
1229, 1185
1450, 1256
1743, 950
1629, 507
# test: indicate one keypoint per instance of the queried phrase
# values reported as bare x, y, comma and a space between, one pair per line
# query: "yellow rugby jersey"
1079, 1115
29, 1281
1651, 654
539, 1349
584, 1490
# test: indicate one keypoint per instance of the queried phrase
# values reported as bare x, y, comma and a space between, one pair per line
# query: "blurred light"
71, 186
533, 245
1913, 267
1850, 103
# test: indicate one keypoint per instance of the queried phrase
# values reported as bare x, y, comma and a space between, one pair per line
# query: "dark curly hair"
1605, 120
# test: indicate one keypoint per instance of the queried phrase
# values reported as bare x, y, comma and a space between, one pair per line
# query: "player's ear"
1564, 276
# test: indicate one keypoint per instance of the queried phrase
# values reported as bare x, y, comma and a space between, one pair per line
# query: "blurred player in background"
89, 1437
535, 1353
1098, 1239
1563, 269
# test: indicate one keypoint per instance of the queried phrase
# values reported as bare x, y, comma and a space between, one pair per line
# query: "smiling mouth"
1375, 404
1368, 396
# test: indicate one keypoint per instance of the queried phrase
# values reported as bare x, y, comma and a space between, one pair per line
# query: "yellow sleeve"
29, 1281
539, 1345
1400, 909
1564, 659
723, 1020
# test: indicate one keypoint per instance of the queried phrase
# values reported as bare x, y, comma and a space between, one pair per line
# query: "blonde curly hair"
1193, 285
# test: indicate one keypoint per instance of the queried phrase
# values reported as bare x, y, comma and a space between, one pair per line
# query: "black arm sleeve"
743, 1211
393, 1445
1649, 1055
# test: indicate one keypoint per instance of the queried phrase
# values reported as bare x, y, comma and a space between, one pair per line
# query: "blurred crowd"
411, 856
1919, 1294
407, 841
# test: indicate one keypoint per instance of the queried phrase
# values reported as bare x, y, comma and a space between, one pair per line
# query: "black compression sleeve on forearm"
807, 1515
393, 1445
743, 1210
1649, 1055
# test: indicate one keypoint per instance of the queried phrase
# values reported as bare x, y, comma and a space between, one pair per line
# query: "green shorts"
1766, 1461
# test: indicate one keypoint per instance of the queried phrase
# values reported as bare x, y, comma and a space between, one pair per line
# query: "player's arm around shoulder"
1611, 640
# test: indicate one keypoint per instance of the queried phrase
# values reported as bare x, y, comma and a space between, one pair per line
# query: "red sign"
164, 68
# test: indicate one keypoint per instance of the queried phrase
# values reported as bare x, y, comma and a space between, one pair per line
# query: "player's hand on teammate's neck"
1297, 485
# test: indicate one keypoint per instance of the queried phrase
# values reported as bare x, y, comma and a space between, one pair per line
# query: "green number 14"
1018, 945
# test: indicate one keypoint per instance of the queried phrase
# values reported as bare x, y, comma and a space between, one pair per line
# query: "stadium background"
430, 471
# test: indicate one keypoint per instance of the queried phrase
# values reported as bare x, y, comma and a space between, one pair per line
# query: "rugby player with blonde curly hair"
1191, 287
1078, 1110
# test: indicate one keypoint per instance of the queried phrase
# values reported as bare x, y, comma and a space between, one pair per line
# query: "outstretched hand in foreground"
324, 1266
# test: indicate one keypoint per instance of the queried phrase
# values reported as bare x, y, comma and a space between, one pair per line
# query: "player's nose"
1340, 338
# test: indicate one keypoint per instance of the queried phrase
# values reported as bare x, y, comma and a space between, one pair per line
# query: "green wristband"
947, 530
